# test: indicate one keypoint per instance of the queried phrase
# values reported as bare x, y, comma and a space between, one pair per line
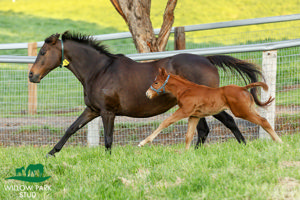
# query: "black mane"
88, 40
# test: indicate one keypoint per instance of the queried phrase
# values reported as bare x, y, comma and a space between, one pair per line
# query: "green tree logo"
33, 173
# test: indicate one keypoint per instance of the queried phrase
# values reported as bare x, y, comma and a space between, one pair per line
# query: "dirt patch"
288, 189
290, 164
48, 130
290, 87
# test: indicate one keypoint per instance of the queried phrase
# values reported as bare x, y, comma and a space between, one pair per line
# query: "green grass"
260, 170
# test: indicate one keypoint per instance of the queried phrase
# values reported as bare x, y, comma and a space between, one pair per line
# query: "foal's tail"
248, 71
265, 87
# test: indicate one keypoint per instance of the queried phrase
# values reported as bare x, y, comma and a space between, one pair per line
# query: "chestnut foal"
197, 101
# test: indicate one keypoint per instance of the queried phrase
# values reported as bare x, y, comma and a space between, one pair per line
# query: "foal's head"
48, 59
158, 87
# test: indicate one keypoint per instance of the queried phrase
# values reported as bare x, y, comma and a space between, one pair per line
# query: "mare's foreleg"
203, 130
108, 119
229, 122
80, 122
192, 123
176, 116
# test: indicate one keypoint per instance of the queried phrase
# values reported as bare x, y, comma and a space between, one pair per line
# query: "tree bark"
166, 27
136, 14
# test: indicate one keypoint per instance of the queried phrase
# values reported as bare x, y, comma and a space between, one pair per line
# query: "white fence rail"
198, 27
199, 51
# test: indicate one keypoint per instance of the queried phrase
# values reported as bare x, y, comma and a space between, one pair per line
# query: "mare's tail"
248, 71
265, 87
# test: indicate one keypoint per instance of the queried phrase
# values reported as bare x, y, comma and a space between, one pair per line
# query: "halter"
64, 62
161, 87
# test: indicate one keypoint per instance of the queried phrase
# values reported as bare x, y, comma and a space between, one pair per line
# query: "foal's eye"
43, 53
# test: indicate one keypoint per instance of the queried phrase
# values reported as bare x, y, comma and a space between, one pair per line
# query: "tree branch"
116, 4
166, 27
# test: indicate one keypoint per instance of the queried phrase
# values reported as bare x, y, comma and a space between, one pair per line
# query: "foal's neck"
176, 85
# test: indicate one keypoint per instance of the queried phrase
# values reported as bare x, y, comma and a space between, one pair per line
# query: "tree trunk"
136, 14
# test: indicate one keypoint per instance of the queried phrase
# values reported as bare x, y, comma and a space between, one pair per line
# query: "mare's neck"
85, 61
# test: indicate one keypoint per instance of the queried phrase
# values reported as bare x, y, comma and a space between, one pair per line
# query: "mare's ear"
55, 38
52, 39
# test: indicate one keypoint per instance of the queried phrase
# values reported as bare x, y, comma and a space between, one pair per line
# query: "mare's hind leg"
203, 130
108, 119
176, 116
192, 123
229, 122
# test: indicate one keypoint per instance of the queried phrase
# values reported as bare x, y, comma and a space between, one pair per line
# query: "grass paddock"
260, 170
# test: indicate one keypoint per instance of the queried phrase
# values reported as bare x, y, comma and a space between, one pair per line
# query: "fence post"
93, 132
179, 38
269, 67
32, 87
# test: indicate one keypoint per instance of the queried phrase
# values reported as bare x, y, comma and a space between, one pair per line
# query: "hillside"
33, 20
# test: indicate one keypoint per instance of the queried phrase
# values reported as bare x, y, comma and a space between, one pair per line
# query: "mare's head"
49, 58
158, 86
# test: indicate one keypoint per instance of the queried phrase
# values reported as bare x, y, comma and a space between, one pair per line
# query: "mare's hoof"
50, 155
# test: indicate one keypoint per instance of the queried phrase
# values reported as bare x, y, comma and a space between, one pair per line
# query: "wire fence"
60, 99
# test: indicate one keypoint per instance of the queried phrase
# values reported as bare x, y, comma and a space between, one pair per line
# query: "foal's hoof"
141, 145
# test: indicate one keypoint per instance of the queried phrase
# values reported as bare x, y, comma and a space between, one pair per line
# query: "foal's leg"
244, 111
176, 116
192, 123
203, 130
82, 120
229, 122
257, 119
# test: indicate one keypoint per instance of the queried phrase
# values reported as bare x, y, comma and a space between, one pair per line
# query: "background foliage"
33, 20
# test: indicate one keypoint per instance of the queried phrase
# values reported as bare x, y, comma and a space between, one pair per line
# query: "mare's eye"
156, 83
43, 53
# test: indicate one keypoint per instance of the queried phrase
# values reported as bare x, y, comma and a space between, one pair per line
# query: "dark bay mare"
115, 85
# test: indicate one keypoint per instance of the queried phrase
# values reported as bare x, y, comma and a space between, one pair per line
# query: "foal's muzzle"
149, 94
34, 78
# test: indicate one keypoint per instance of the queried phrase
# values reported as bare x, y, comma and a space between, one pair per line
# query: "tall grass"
261, 170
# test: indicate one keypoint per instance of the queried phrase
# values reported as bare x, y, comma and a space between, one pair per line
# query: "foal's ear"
163, 71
